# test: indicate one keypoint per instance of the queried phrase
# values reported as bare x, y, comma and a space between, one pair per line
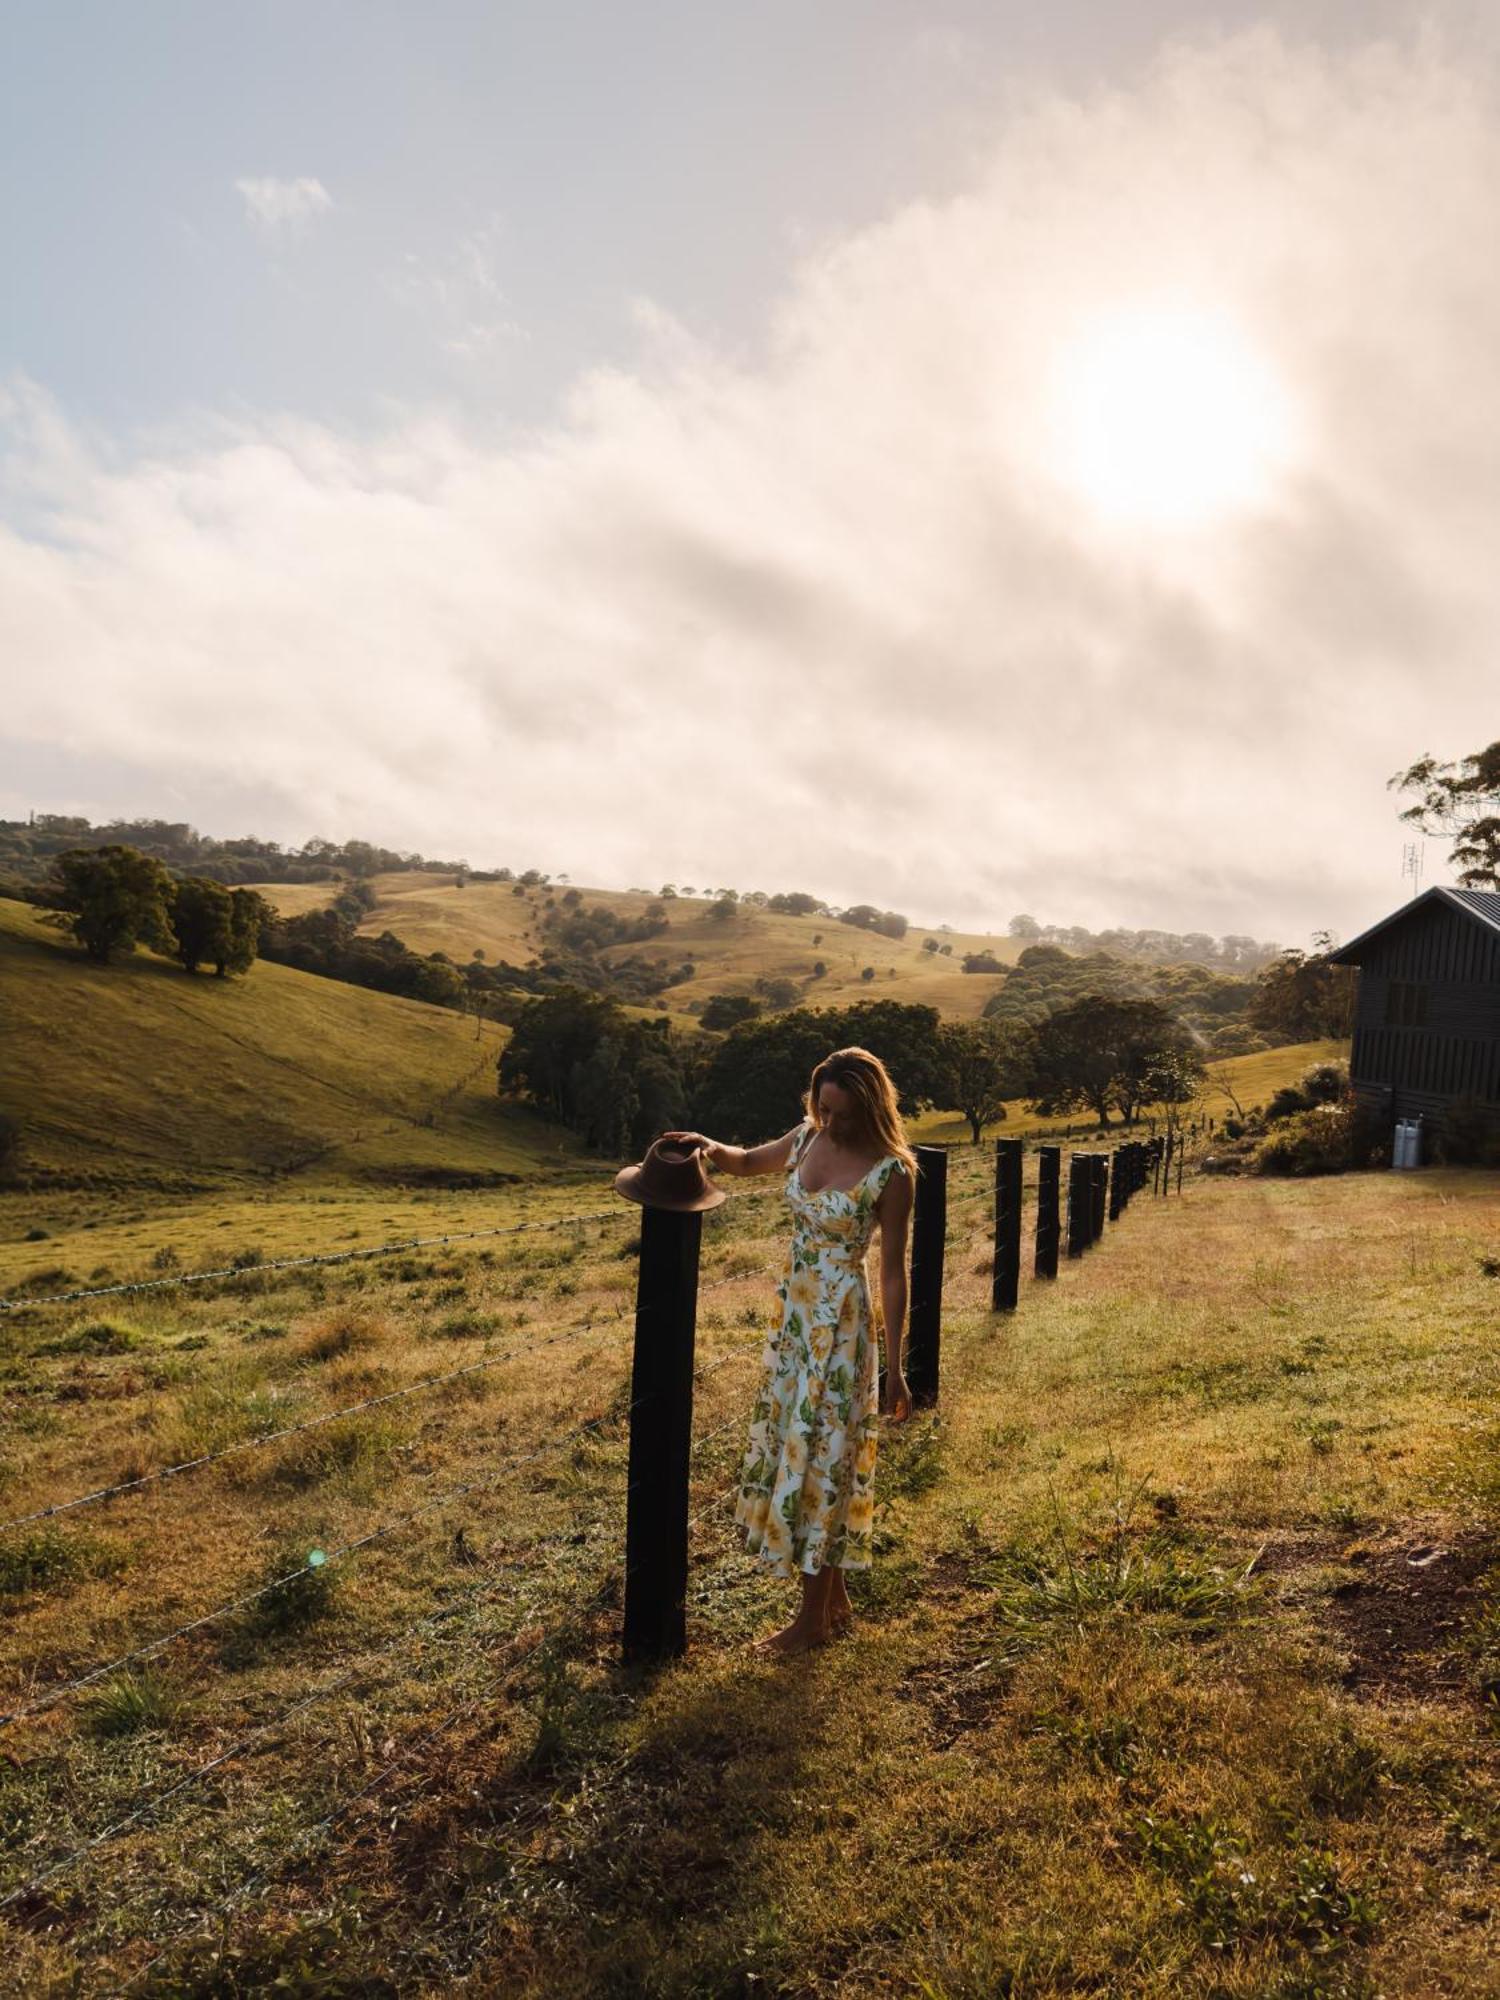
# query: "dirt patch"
1399, 1603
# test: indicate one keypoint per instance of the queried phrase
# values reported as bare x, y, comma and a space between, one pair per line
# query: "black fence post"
929, 1230
1098, 1190
1005, 1288
1048, 1222
1080, 1205
1116, 1169
661, 1425
1180, 1151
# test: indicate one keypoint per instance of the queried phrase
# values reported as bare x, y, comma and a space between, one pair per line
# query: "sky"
969, 458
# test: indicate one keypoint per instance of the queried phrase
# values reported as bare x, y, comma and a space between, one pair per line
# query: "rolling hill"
429, 913
134, 1072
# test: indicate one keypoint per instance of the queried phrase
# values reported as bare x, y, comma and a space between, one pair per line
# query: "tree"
118, 899
727, 1010
1101, 1052
1461, 802
1300, 997
248, 916
755, 1077
200, 916
1024, 927
722, 909
984, 1063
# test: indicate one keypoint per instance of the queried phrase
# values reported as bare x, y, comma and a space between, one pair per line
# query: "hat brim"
628, 1183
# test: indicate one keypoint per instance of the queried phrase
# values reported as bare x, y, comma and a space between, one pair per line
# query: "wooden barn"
1427, 1022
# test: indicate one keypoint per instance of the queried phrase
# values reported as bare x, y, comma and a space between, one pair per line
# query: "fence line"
475, 1595
1089, 1215
222, 1910
485, 1361
327, 1558
235, 1271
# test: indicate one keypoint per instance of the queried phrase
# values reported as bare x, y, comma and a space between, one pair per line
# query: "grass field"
431, 914
135, 1074
1175, 1674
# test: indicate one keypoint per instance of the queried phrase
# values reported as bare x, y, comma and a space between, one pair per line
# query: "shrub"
1329, 1140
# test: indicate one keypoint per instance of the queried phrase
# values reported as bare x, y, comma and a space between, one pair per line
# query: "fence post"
1115, 1166
1080, 1205
1048, 1224
1098, 1193
1005, 1288
661, 1425
1180, 1151
928, 1232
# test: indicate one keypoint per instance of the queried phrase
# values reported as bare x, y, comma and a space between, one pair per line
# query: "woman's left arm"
894, 1212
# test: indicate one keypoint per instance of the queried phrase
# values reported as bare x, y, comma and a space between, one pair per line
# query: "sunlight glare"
1168, 417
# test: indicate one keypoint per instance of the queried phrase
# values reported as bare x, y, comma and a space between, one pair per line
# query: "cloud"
461, 295
830, 616
278, 209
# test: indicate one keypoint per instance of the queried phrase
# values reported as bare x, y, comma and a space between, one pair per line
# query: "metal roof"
1483, 905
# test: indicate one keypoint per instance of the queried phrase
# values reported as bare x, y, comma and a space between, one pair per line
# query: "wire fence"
400, 1246
964, 1192
277, 1725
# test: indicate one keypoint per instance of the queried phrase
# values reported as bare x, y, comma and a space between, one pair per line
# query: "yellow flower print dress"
807, 1487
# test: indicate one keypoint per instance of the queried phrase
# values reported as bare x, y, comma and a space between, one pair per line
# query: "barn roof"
1483, 905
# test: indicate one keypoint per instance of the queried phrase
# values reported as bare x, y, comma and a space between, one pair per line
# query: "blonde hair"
868, 1082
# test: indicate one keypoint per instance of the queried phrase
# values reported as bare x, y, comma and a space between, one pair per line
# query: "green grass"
135, 1075
1095, 1730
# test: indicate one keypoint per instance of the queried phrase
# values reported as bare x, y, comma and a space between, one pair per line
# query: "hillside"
429, 913
136, 1073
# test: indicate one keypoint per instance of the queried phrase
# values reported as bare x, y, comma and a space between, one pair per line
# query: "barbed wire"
326, 1559
232, 1272
485, 1361
224, 1908
530, 1347
473, 1596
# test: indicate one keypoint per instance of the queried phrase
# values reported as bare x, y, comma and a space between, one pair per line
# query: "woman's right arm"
740, 1161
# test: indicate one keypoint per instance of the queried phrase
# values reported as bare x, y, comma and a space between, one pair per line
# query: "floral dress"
807, 1487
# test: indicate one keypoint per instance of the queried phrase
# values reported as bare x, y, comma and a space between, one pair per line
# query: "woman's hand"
897, 1397
699, 1142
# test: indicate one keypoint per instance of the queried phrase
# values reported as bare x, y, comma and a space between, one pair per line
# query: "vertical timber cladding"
1427, 1019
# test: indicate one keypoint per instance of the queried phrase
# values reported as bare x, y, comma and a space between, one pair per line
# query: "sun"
1167, 416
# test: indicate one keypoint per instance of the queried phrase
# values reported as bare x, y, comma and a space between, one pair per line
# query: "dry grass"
1100, 1727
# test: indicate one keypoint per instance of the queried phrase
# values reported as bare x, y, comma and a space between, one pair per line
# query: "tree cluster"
1156, 947
115, 898
865, 917
1300, 997
1045, 979
29, 847
584, 1062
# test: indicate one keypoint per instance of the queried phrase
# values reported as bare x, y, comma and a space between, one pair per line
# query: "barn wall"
1443, 967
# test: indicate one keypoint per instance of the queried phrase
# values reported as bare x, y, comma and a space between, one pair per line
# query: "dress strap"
883, 1170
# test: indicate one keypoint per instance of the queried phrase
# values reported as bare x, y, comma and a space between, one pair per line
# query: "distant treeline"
1243, 954
580, 1059
29, 847
1045, 979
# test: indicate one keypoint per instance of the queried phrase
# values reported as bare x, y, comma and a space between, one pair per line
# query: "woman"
806, 1496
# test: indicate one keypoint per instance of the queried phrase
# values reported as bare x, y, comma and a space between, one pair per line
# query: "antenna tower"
1411, 864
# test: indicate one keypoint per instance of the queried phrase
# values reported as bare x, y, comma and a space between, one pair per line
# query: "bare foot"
792, 1638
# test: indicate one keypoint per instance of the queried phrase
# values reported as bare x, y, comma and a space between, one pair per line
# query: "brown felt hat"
671, 1176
